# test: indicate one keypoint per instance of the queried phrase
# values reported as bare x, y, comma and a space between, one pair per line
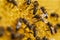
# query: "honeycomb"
10, 13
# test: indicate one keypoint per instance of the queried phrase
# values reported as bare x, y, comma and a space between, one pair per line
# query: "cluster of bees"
17, 36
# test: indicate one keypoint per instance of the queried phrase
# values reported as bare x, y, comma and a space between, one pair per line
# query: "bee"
35, 7
38, 38
28, 2
19, 23
52, 29
45, 15
54, 15
28, 38
12, 1
44, 38
1, 31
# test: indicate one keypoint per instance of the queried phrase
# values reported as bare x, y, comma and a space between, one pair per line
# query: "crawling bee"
30, 26
45, 15
12, 1
53, 30
35, 7
54, 15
